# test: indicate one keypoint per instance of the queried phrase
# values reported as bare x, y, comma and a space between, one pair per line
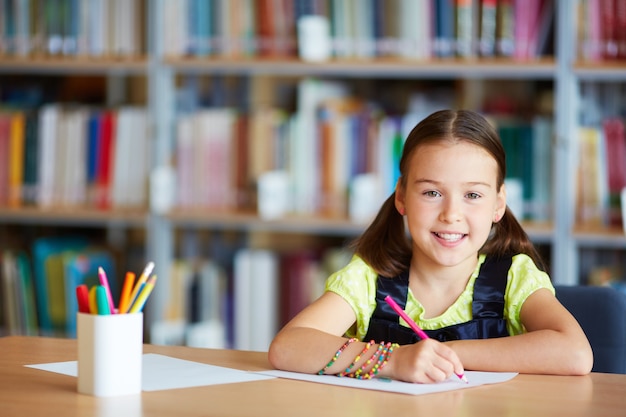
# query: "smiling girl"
466, 273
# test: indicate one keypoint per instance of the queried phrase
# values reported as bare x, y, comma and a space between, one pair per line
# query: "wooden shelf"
600, 237
76, 65
72, 216
601, 70
538, 232
493, 68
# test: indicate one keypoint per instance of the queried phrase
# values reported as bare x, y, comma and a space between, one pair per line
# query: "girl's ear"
399, 199
500, 204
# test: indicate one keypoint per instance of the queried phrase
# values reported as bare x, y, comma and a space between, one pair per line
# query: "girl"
468, 275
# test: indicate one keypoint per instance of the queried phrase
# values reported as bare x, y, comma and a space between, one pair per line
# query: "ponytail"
508, 238
384, 245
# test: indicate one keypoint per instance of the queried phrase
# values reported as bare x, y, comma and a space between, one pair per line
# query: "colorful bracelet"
380, 357
348, 370
375, 356
334, 358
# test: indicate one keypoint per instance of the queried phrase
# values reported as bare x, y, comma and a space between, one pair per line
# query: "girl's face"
450, 201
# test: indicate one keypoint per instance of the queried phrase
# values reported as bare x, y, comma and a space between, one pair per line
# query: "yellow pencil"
143, 295
125, 296
140, 282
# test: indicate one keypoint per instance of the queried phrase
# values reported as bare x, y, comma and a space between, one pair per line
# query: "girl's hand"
426, 361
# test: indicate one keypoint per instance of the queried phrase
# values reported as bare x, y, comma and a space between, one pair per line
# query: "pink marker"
414, 326
105, 283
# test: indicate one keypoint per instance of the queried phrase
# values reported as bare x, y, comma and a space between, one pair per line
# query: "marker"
105, 283
126, 290
82, 297
414, 326
143, 295
102, 300
140, 282
93, 305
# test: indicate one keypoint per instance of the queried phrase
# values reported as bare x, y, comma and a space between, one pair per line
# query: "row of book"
326, 147
87, 28
242, 302
601, 173
38, 285
602, 30
414, 29
74, 156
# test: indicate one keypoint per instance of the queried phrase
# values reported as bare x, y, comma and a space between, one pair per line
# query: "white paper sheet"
161, 372
474, 379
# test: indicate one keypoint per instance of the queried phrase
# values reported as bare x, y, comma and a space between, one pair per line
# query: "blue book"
47, 287
200, 26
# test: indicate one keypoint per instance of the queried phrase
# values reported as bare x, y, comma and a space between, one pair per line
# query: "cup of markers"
110, 338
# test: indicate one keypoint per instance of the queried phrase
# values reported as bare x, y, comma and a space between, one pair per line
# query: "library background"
241, 144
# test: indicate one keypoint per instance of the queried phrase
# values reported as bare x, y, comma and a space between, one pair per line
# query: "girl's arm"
554, 343
309, 341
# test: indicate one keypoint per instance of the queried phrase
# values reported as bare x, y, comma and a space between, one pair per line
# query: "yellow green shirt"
356, 283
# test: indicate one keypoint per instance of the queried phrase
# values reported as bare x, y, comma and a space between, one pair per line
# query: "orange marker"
126, 290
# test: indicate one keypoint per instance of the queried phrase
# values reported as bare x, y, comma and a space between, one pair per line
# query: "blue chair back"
601, 312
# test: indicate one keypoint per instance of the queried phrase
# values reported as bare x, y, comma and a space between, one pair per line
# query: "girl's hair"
385, 245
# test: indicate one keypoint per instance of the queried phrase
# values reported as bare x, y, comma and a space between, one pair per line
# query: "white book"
75, 168
140, 157
98, 28
47, 137
185, 169
264, 301
242, 300
415, 29
122, 159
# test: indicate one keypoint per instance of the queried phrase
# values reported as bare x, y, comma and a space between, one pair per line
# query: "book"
444, 28
5, 141
104, 163
255, 299
16, 159
466, 28
488, 19
31, 151
592, 192
48, 280
615, 144
49, 120
505, 28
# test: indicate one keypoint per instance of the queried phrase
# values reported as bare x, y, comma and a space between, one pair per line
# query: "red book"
104, 165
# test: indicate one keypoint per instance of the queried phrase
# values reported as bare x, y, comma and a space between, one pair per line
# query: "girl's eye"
473, 196
431, 194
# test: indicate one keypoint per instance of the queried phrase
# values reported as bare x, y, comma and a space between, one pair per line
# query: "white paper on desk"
160, 372
475, 379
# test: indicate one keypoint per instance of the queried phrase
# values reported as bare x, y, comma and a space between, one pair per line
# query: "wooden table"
28, 392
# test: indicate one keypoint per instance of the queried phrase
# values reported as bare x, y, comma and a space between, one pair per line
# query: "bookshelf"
162, 72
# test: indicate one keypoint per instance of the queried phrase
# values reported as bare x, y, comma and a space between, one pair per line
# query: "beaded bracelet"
334, 358
382, 361
348, 370
375, 356
381, 356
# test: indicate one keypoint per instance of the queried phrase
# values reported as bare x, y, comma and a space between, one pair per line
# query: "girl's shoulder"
357, 267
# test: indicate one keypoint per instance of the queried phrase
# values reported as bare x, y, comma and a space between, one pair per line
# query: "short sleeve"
356, 284
524, 279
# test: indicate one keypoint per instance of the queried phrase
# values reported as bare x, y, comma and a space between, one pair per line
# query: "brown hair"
385, 245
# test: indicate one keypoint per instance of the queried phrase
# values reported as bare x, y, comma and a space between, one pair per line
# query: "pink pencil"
413, 326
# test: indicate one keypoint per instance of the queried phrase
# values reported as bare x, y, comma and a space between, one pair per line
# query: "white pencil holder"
110, 349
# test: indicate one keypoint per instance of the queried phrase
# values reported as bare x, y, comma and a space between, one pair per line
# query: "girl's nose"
451, 211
